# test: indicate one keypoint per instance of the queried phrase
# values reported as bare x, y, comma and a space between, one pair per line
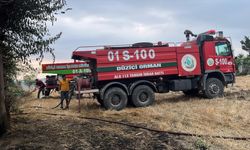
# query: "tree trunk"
4, 122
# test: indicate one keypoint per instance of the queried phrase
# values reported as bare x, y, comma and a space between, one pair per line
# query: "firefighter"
64, 88
40, 86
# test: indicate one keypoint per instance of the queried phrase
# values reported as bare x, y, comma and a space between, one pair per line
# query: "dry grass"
228, 116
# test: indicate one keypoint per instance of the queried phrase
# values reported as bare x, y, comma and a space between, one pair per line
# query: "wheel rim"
115, 100
214, 89
143, 97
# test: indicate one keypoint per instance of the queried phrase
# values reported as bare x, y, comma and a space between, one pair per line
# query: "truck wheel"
214, 88
47, 92
115, 98
192, 92
40, 93
143, 96
99, 100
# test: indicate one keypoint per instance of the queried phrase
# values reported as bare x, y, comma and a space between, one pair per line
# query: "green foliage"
23, 33
242, 62
14, 93
243, 65
201, 144
24, 30
245, 44
239, 60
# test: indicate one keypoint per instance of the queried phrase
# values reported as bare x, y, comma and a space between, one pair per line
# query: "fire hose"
146, 128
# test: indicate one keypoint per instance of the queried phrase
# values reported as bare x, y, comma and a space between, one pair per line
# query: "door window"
222, 49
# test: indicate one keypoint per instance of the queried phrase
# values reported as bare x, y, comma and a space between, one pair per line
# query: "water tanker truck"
55, 70
134, 73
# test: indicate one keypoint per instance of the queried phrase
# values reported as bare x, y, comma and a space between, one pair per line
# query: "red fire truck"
133, 73
69, 69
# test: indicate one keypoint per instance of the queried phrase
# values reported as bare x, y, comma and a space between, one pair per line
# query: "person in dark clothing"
41, 87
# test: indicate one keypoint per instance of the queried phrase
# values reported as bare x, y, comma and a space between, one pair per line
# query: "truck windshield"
222, 49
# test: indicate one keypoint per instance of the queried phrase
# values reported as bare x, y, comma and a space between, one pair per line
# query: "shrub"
201, 145
14, 93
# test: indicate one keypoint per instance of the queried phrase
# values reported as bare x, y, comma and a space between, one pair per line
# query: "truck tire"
214, 88
143, 96
115, 98
40, 93
193, 92
47, 92
99, 100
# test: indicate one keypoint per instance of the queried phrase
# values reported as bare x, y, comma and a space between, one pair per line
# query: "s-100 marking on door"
222, 61
126, 55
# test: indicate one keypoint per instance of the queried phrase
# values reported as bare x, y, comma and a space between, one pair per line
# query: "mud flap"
203, 82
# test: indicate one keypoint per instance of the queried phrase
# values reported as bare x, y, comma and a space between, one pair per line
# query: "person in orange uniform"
64, 88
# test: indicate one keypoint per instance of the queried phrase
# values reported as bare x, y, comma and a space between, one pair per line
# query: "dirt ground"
34, 128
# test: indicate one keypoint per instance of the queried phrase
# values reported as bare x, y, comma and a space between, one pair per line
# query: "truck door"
219, 56
224, 57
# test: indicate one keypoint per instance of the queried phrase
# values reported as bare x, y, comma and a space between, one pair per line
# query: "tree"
246, 44
23, 33
4, 124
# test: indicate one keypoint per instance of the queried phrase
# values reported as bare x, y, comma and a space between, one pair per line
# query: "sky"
108, 22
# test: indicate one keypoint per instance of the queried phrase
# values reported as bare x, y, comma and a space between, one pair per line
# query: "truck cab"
218, 57
217, 64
